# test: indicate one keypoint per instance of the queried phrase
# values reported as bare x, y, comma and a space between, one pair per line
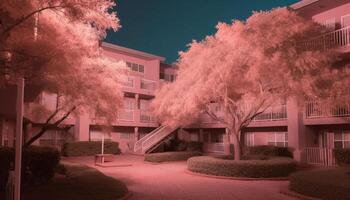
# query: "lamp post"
19, 125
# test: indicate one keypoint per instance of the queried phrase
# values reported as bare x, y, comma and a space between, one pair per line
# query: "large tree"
55, 45
244, 68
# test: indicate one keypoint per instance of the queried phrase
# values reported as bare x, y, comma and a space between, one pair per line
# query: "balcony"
335, 39
273, 113
146, 117
316, 109
134, 84
148, 85
126, 115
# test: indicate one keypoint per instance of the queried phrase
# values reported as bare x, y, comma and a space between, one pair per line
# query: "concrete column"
82, 128
226, 142
136, 134
137, 111
296, 129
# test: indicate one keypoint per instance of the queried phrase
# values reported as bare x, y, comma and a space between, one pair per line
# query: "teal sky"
165, 27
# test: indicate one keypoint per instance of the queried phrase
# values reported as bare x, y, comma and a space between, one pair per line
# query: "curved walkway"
169, 181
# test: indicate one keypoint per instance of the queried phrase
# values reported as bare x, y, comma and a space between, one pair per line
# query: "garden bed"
274, 167
171, 156
326, 184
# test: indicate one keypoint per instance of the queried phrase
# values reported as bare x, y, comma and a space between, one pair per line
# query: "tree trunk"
236, 146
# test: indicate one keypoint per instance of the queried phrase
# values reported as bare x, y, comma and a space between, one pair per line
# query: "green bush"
269, 150
342, 156
6, 160
326, 184
272, 167
89, 148
171, 156
194, 146
38, 164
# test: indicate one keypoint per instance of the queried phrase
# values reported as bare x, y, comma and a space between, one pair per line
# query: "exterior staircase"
152, 140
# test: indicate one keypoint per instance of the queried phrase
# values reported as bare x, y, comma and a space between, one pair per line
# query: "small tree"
245, 67
55, 45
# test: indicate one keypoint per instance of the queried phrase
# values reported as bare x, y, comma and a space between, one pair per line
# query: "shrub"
40, 163
89, 148
171, 156
269, 150
342, 156
272, 167
329, 184
6, 160
194, 146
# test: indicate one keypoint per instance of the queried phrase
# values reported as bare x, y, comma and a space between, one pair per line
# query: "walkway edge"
128, 195
237, 178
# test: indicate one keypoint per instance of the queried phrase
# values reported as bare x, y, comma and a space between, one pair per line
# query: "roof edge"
302, 4
132, 51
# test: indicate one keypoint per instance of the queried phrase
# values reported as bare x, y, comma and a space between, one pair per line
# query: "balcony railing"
145, 116
126, 115
316, 109
319, 156
273, 113
128, 81
148, 84
334, 39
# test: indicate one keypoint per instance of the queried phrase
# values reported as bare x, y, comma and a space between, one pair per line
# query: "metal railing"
126, 115
148, 84
315, 109
273, 113
138, 144
319, 156
214, 147
128, 81
145, 116
156, 137
334, 39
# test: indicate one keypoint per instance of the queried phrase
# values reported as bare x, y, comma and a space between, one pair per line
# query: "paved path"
170, 182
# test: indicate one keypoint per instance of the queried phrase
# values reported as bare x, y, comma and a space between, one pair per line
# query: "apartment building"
311, 131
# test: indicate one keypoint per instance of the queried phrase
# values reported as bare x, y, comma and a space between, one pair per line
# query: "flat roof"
133, 52
302, 3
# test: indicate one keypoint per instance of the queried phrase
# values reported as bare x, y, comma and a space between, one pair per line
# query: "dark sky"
165, 27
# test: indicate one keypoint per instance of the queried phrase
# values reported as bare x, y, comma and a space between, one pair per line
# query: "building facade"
311, 131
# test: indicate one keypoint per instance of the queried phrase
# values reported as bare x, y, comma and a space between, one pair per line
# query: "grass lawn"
80, 182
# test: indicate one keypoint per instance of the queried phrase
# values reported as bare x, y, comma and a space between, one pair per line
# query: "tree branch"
48, 126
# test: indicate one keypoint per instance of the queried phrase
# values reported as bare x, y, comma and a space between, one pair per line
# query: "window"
217, 138
249, 139
129, 103
345, 21
329, 23
96, 135
135, 67
342, 139
127, 136
279, 139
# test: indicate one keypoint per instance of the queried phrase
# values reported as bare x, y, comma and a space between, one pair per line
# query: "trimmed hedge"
342, 156
329, 184
89, 148
271, 167
171, 156
268, 150
38, 164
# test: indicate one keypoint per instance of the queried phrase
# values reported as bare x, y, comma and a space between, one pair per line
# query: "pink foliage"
246, 67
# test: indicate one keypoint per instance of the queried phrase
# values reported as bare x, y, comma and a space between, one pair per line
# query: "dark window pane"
141, 68
135, 67
338, 145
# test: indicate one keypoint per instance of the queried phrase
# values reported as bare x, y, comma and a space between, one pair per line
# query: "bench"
101, 158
